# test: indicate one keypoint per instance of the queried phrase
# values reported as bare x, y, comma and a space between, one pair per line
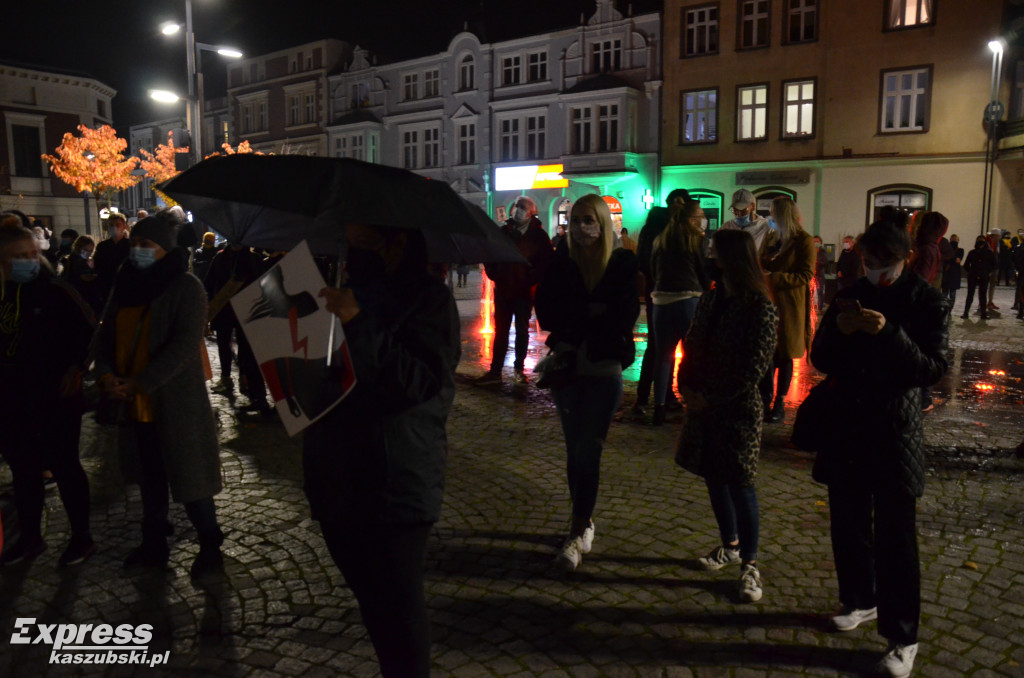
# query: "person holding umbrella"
374, 465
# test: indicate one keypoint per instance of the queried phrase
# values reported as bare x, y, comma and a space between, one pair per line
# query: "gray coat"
174, 378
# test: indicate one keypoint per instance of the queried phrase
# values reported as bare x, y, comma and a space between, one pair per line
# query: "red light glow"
486, 305
997, 373
985, 387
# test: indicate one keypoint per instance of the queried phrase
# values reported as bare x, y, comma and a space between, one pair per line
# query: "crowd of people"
739, 298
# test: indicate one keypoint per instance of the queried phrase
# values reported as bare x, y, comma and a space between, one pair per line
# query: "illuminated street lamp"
993, 114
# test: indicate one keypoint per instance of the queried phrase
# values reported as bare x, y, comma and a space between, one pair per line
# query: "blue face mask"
24, 270
142, 257
743, 221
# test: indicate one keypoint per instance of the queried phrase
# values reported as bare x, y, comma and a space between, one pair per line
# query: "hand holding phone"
846, 305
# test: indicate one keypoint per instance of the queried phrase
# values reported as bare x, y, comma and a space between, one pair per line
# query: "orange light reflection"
486, 305
985, 387
997, 373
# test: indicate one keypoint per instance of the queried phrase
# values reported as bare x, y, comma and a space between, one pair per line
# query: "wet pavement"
636, 607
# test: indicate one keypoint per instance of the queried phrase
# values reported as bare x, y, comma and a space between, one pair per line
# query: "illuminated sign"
529, 176
614, 206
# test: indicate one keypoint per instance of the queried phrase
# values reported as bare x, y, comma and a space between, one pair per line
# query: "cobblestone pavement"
636, 607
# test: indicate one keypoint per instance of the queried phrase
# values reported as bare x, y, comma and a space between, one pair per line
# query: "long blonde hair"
592, 262
680, 235
787, 217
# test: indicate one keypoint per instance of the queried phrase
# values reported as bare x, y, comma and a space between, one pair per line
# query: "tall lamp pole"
993, 114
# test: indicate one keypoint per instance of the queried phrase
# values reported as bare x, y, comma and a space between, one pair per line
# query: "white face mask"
883, 277
703, 224
519, 215
847, 246
586, 233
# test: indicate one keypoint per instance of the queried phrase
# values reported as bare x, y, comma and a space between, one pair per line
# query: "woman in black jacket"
588, 302
881, 342
952, 270
374, 465
979, 265
680, 277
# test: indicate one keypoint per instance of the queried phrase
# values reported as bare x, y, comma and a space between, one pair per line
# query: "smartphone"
848, 305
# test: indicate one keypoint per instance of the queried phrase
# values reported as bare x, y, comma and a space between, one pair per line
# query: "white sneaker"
750, 584
898, 661
588, 538
851, 619
719, 557
571, 555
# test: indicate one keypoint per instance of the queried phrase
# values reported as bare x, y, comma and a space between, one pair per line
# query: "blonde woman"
588, 301
789, 276
680, 277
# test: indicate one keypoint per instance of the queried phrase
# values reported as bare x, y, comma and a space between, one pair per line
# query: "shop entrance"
711, 203
907, 198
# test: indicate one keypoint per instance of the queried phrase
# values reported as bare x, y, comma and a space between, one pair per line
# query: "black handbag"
811, 426
557, 369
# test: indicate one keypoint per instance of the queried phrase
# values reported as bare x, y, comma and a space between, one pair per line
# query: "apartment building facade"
37, 107
552, 116
846, 107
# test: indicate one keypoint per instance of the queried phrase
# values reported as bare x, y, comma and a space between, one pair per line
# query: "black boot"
659, 415
778, 411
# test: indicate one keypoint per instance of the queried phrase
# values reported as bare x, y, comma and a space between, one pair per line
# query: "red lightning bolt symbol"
293, 323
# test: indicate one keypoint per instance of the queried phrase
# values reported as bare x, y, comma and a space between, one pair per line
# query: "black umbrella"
276, 201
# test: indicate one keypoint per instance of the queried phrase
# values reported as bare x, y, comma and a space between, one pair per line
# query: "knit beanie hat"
161, 228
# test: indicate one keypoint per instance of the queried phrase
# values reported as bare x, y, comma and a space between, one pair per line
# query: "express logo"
90, 643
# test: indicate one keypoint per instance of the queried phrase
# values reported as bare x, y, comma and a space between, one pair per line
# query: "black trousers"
247, 365
504, 310
982, 287
784, 368
39, 439
646, 380
874, 541
383, 565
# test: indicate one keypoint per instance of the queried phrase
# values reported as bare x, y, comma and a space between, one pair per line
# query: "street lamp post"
993, 114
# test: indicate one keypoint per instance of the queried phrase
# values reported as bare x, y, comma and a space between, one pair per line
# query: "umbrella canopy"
276, 201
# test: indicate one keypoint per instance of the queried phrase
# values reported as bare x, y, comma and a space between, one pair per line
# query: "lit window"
905, 100
754, 23
700, 117
752, 113
700, 31
909, 13
798, 108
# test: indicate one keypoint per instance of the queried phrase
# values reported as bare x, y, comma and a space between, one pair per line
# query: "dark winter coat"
243, 265
80, 275
728, 349
952, 269
879, 380
108, 257
518, 281
657, 220
603, 317
980, 263
174, 376
379, 456
848, 268
676, 270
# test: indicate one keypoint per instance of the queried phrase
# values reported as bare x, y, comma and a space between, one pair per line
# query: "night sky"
119, 43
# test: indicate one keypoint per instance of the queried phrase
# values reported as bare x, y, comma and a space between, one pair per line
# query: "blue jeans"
586, 407
671, 323
736, 511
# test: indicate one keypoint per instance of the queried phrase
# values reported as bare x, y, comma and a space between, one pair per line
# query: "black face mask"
978, 244
363, 265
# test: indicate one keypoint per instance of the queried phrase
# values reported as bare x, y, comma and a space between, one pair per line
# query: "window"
357, 147
431, 147
582, 129
752, 113
28, 160
247, 113
310, 106
700, 31
341, 147
802, 21
753, 23
535, 125
411, 86
699, 121
466, 73
254, 115
467, 143
509, 139
101, 108
538, 66
224, 132
432, 83
510, 70
293, 110
905, 100
261, 118
608, 127
1017, 97
909, 13
410, 144
606, 56
798, 109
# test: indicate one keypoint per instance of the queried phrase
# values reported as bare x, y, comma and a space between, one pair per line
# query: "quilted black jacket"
878, 385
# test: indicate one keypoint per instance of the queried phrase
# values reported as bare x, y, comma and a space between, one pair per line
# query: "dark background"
118, 42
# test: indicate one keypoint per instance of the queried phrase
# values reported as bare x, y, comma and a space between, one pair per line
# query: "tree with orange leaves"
243, 147
94, 162
159, 166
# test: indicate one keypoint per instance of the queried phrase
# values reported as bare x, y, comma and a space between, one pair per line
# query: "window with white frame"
410, 87
309, 103
608, 127
341, 147
357, 147
537, 63
467, 143
595, 128
905, 95
700, 30
508, 139
253, 113
293, 109
752, 113
909, 13
510, 70
798, 108
754, 23
535, 136
350, 146
467, 73
248, 110
801, 20
432, 83
582, 129
606, 55
431, 147
699, 121
261, 116
410, 148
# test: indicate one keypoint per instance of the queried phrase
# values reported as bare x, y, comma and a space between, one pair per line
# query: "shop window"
908, 198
